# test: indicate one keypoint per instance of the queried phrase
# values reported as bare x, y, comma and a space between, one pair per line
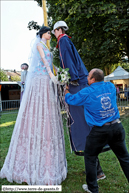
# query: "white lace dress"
36, 153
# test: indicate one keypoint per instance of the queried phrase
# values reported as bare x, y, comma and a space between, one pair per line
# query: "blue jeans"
114, 135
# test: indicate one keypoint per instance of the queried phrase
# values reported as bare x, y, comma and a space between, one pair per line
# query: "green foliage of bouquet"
63, 75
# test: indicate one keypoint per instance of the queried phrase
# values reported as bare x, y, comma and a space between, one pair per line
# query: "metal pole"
46, 24
45, 18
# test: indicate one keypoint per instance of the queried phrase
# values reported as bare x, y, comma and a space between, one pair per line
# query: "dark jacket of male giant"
70, 58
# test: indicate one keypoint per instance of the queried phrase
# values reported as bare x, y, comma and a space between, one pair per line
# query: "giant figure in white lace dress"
36, 153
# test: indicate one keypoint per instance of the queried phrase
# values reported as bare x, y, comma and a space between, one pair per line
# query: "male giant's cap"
60, 24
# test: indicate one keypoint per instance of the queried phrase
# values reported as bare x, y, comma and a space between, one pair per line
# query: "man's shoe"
101, 176
85, 187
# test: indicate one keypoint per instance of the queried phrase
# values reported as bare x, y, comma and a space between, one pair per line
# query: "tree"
33, 25
99, 29
15, 78
3, 75
125, 66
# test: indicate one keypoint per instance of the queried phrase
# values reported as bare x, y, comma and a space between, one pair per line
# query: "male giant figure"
69, 58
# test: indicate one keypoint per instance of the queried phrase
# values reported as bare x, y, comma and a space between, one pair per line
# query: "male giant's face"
57, 32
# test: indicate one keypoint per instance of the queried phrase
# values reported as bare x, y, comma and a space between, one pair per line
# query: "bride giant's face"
47, 35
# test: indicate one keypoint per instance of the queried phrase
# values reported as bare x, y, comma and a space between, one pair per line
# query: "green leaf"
96, 21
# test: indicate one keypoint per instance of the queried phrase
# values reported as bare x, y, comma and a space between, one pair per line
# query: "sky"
15, 36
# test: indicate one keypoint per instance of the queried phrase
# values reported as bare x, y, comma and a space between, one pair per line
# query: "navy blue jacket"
72, 60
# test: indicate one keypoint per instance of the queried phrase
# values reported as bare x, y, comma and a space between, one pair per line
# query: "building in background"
13, 75
10, 90
119, 77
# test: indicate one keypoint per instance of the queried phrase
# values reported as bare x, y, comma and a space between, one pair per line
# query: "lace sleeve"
46, 64
41, 52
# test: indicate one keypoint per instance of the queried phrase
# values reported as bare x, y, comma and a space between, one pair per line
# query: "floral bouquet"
63, 76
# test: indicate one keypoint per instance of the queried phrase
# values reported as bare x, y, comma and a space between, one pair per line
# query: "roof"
119, 73
13, 73
7, 82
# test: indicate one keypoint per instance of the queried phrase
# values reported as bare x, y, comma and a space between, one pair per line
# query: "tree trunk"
107, 70
127, 47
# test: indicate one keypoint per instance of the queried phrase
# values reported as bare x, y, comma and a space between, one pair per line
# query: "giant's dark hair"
43, 30
63, 31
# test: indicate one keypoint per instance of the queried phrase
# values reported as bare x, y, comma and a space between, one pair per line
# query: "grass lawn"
115, 181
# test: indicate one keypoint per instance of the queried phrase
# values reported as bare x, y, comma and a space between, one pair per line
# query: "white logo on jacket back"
106, 103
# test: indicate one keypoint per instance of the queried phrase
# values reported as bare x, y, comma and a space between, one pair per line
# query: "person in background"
101, 112
128, 92
24, 67
125, 91
118, 92
70, 58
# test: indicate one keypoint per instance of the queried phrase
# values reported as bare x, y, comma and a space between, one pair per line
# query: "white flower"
63, 77
66, 72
